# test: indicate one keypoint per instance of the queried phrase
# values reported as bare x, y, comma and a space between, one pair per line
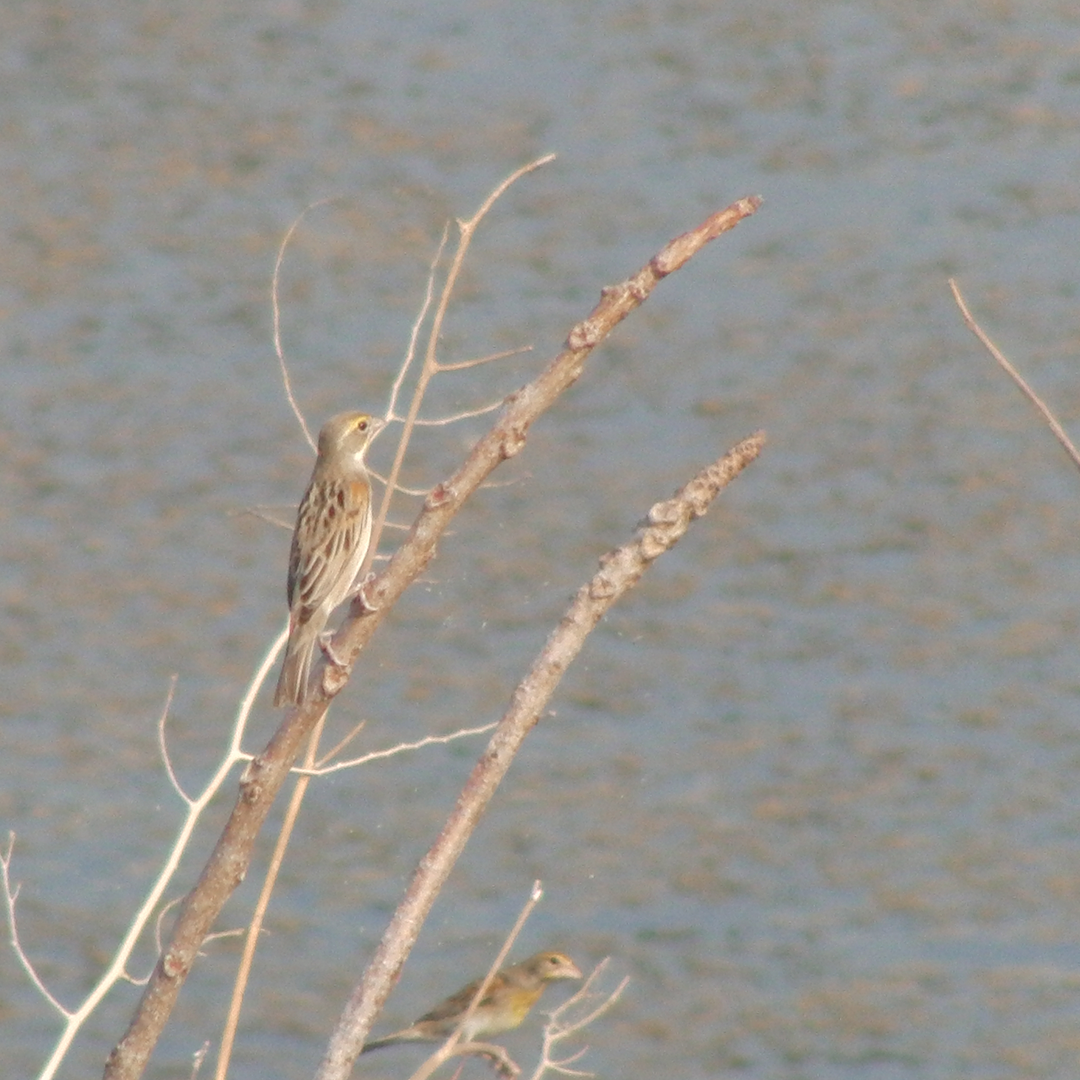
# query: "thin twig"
341, 744
1025, 389
11, 894
461, 365
163, 745
275, 286
414, 333
393, 751
430, 366
467, 414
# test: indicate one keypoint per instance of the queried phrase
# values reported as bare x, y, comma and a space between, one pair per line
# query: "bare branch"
274, 301
164, 747
415, 493
414, 335
430, 367
444, 421
535, 896
341, 744
619, 571
463, 364
265, 773
198, 1058
269, 516
116, 971
11, 894
159, 922
393, 751
995, 352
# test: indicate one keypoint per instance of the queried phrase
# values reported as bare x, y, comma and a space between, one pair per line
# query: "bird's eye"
362, 426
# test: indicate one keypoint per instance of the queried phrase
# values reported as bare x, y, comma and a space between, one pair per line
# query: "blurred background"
812, 786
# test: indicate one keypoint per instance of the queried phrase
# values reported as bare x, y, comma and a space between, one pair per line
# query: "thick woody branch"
266, 773
620, 570
520, 411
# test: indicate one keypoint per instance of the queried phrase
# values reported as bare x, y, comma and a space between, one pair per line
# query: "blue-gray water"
812, 785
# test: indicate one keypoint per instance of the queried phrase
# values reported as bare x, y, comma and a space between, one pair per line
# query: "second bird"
509, 997
329, 544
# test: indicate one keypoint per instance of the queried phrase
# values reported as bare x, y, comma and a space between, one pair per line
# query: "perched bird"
507, 1001
329, 544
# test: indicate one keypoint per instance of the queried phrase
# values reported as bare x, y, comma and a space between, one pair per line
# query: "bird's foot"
326, 643
359, 594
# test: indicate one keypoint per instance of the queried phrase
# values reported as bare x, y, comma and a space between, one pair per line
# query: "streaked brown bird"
507, 1001
329, 544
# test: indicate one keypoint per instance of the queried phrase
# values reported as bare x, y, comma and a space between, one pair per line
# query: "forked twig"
574, 1015
11, 895
393, 751
116, 970
431, 366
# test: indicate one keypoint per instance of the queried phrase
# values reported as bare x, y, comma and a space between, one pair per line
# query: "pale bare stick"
619, 571
11, 895
536, 894
322, 769
393, 751
444, 421
163, 745
270, 516
413, 493
414, 333
333, 752
462, 365
198, 1058
996, 353
276, 306
159, 922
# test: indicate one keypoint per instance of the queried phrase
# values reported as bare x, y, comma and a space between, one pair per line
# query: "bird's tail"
409, 1035
292, 687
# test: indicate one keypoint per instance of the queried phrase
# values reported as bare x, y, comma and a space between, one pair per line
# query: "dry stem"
999, 356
